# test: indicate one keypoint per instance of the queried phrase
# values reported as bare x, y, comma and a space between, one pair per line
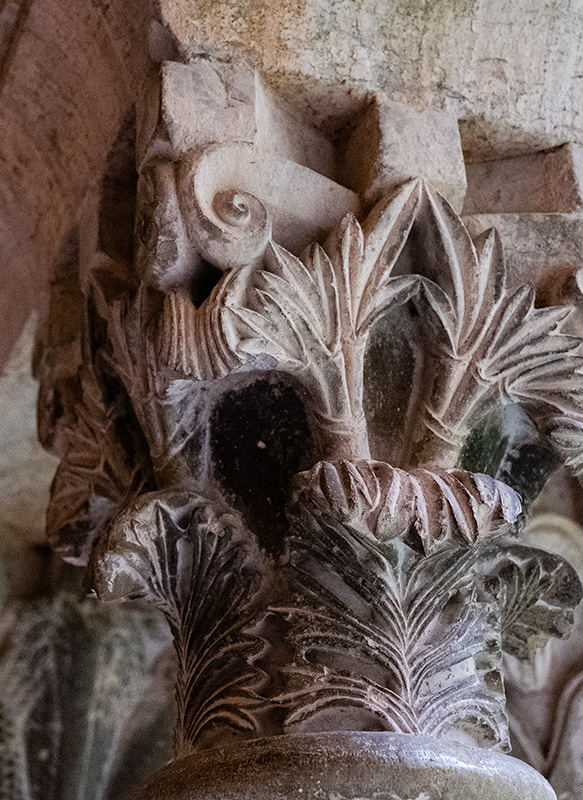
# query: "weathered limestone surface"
309, 428
538, 183
535, 203
509, 71
393, 142
296, 407
544, 249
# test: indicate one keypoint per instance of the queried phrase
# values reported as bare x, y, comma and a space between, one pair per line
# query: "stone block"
537, 183
286, 132
198, 104
210, 102
535, 245
393, 142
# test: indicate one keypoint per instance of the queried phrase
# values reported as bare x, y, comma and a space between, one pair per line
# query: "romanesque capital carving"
311, 458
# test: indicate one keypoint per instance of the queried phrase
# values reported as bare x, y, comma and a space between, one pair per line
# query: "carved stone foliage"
289, 466
544, 697
481, 344
195, 560
410, 644
386, 648
85, 699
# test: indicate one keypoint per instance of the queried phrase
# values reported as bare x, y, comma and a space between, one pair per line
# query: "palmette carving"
182, 324
441, 657
373, 642
537, 592
193, 558
403, 646
349, 620
312, 317
491, 345
98, 474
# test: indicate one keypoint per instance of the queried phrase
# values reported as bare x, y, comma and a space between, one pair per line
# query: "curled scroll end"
229, 227
237, 209
239, 232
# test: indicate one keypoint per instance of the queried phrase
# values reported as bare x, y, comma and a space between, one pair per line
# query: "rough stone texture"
545, 182
393, 142
26, 470
534, 203
287, 133
199, 104
311, 205
538, 247
316, 558
509, 71
217, 457
545, 697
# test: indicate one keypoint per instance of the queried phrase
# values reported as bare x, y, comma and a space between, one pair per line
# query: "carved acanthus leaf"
167, 407
193, 558
420, 507
403, 644
310, 318
313, 316
389, 594
567, 437
192, 340
414, 640
487, 343
537, 592
98, 472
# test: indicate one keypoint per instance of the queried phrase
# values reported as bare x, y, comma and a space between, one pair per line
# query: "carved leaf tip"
421, 507
139, 555
485, 343
193, 341
537, 592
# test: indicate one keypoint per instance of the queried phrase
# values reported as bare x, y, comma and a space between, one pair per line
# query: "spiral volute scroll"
231, 227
